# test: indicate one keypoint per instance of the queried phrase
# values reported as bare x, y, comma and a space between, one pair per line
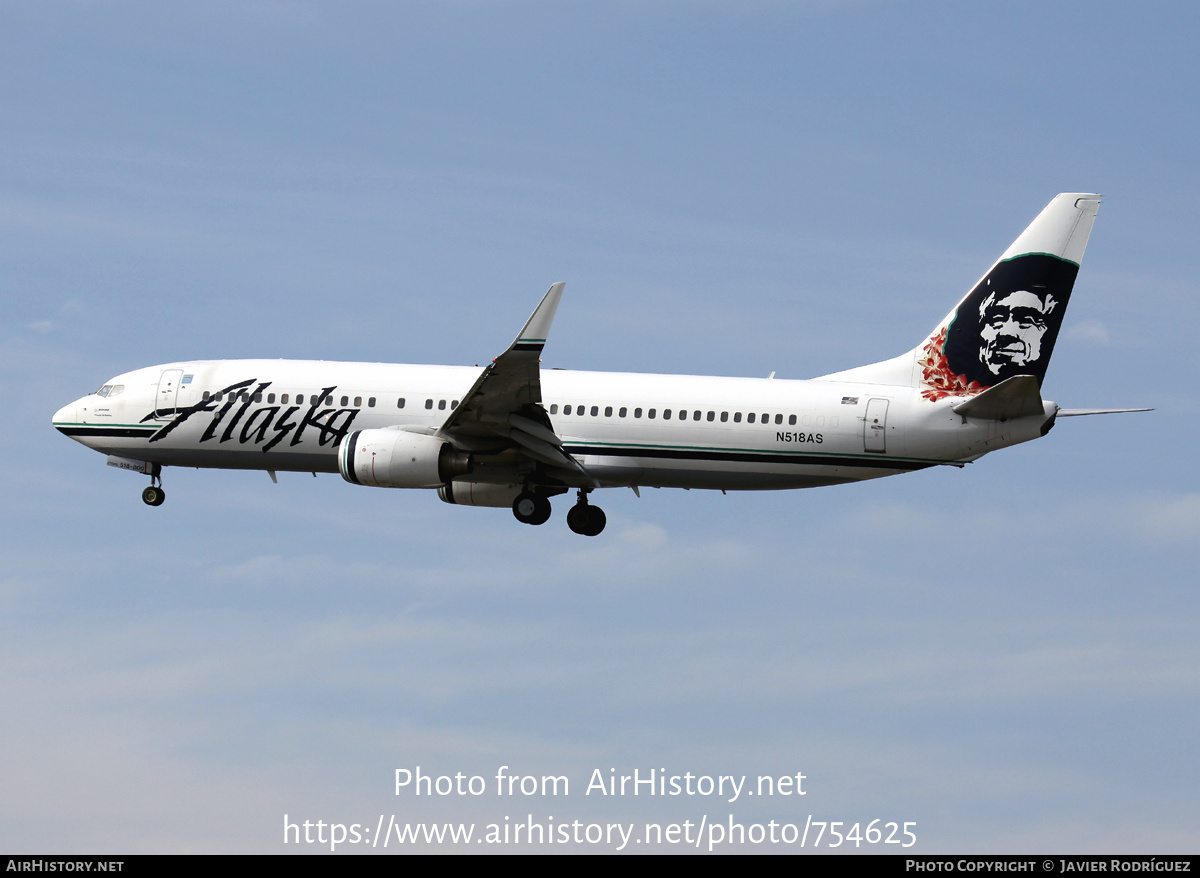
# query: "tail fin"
1007, 325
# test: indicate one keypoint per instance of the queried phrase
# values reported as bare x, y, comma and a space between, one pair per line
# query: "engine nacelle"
477, 494
399, 459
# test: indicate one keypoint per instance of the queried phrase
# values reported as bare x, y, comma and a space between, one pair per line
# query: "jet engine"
477, 494
399, 459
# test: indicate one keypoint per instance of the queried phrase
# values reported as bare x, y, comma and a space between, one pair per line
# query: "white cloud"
1164, 520
1090, 331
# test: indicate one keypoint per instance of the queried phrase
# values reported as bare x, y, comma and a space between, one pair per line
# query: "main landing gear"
155, 495
584, 518
530, 508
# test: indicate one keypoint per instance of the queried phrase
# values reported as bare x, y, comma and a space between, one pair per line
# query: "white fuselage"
625, 429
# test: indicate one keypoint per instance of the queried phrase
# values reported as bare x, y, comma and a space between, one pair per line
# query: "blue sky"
1005, 655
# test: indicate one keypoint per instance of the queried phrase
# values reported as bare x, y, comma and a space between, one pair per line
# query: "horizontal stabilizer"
1016, 397
1075, 413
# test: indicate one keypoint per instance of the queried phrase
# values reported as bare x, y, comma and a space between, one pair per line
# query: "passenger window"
370, 402
204, 396
429, 403
453, 404
779, 419
637, 413
580, 410
441, 405
299, 398
696, 415
329, 399
357, 401
666, 414
345, 401
608, 411
270, 397
283, 398
554, 409
737, 417
622, 412
683, 414
724, 417
258, 397
821, 421
400, 403
766, 419
792, 420
566, 409
750, 418
219, 397
712, 415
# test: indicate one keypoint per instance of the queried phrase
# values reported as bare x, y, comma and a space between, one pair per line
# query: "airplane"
511, 434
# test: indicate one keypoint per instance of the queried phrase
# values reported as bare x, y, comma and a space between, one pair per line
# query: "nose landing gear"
586, 519
154, 495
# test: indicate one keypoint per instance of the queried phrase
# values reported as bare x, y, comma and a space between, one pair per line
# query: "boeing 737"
513, 435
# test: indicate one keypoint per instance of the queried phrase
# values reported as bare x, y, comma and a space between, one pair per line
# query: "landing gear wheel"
153, 496
595, 521
586, 519
531, 509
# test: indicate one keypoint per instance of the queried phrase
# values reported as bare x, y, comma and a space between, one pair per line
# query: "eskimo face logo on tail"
1006, 326
1012, 326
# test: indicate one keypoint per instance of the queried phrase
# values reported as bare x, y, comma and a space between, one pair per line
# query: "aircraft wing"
505, 403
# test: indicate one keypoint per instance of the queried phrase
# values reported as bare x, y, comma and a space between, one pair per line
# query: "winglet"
533, 336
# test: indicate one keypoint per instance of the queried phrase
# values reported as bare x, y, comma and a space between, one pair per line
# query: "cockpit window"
117, 390
103, 391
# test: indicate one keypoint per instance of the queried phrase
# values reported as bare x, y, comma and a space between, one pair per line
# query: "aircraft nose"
66, 414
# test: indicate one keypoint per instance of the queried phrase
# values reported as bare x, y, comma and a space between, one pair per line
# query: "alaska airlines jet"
513, 435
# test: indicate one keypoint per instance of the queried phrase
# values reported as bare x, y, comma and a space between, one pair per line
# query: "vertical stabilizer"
1008, 324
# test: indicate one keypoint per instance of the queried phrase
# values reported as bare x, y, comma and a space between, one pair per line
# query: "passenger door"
168, 391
